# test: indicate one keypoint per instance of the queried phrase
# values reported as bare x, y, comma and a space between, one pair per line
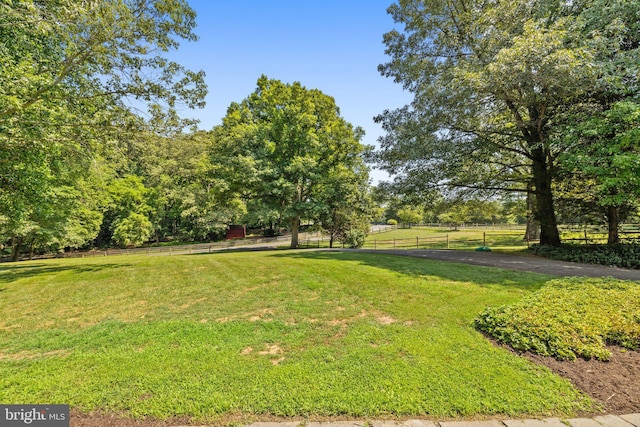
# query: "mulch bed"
614, 384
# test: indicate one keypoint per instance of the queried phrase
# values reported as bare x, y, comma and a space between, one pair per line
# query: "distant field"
236, 336
507, 238
501, 238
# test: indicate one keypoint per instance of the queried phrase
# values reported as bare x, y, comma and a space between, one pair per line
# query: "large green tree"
57, 53
490, 81
346, 207
600, 134
603, 172
75, 77
283, 146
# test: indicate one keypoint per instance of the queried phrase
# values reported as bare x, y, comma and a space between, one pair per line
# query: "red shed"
236, 232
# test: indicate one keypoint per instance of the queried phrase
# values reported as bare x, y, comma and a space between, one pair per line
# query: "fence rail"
306, 240
490, 236
448, 241
383, 228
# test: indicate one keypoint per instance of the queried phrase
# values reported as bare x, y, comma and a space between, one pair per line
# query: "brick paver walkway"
630, 420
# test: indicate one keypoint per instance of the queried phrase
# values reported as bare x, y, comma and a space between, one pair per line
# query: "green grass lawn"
222, 337
443, 238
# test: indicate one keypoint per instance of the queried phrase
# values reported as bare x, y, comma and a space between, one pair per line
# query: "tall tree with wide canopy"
74, 79
66, 51
490, 80
284, 145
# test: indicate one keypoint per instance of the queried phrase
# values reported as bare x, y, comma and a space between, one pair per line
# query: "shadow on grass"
11, 273
239, 250
421, 267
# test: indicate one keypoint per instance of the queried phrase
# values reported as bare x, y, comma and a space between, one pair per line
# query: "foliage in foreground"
70, 130
221, 337
569, 318
621, 255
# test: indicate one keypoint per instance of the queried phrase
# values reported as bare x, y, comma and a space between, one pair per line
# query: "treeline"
498, 209
85, 93
402, 210
93, 152
282, 157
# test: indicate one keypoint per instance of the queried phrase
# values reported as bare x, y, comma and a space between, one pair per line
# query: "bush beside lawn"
569, 318
622, 255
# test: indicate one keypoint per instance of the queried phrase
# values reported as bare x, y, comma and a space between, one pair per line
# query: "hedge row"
622, 255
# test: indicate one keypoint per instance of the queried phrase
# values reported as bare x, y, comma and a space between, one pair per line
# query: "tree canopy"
80, 81
492, 81
288, 149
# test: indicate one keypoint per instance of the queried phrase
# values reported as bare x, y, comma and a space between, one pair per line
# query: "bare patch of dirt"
272, 349
29, 355
383, 319
614, 384
262, 315
337, 322
4, 327
277, 361
190, 303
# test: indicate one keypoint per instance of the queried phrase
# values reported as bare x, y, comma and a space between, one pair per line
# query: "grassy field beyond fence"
497, 237
448, 238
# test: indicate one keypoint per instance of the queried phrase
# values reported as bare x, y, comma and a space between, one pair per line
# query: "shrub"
392, 222
354, 238
133, 230
569, 318
621, 255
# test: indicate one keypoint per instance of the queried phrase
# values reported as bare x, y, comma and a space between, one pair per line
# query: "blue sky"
331, 45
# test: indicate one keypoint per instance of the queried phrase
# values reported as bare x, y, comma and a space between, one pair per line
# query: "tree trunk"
533, 227
295, 227
545, 212
613, 222
16, 246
